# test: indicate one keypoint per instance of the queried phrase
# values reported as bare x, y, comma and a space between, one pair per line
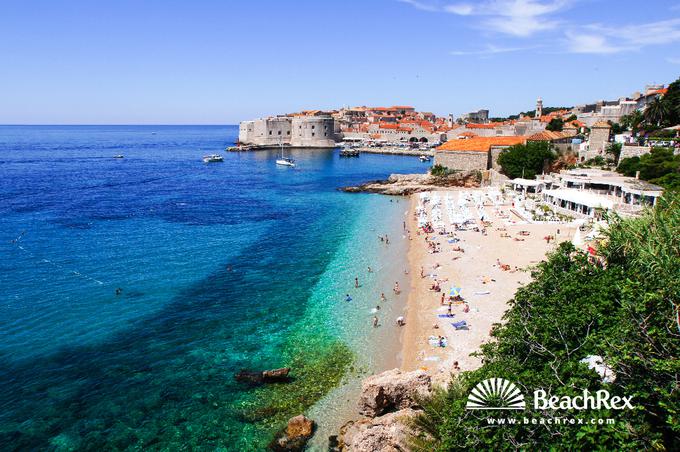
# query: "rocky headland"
407, 184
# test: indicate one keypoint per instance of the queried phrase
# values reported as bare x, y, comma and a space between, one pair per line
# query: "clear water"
222, 267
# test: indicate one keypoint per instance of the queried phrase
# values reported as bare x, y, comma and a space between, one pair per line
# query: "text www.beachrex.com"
549, 421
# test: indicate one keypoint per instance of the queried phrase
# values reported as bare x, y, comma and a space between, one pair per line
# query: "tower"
539, 108
450, 120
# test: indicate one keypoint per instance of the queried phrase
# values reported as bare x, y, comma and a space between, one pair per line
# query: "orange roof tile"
481, 144
480, 126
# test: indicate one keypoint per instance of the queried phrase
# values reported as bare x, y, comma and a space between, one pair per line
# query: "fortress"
294, 131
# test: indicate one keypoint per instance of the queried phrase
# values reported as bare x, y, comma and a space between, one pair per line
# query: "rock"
267, 376
393, 390
300, 426
270, 376
406, 184
295, 436
388, 433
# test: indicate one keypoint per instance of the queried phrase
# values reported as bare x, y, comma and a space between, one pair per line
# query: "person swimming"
383, 297
375, 321
348, 298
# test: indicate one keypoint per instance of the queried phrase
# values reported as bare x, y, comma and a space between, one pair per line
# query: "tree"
571, 118
555, 125
659, 167
656, 112
526, 160
614, 149
633, 120
629, 166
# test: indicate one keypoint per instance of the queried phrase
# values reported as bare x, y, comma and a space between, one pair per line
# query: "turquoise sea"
223, 267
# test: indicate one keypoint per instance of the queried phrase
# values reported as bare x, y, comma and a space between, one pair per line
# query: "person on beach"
356, 282
387, 240
448, 312
466, 307
375, 321
422, 272
383, 297
442, 302
396, 288
370, 270
400, 321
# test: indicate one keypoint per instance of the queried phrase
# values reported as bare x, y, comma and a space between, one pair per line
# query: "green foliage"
526, 160
598, 160
555, 125
617, 128
629, 166
632, 121
532, 113
660, 167
614, 149
439, 170
571, 118
624, 311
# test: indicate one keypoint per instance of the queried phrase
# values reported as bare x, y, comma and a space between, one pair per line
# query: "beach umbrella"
456, 291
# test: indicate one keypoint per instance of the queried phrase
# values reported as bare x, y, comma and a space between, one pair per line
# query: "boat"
424, 158
212, 158
348, 151
118, 156
284, 161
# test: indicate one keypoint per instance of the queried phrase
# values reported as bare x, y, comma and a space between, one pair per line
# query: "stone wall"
633, 151
298, 131
462, 160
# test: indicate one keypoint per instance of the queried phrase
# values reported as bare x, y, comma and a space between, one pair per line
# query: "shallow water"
224, 266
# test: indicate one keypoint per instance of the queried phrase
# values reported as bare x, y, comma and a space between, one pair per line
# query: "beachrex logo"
500, 394
495, 394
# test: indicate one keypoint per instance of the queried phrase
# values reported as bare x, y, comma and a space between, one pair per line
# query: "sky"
220, 62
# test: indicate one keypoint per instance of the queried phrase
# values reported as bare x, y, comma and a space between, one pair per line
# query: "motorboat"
424, 158
118, 156
349, 151
212, 158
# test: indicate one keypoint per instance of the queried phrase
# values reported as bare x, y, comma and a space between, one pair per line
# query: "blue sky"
218, 62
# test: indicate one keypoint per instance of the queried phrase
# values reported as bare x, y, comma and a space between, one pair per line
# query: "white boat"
284, 161
424, 158
212, 158
118, 156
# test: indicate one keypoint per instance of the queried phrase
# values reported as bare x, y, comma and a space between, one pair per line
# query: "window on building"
270, 132
313, 134
288, 132
279, 132
325, 134
312, 127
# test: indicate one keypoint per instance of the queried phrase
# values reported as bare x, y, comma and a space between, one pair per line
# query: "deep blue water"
220, 265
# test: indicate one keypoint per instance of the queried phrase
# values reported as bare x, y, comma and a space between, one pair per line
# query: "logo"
495, 394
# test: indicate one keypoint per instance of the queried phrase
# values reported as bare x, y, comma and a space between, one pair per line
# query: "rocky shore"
407, 184
388, 402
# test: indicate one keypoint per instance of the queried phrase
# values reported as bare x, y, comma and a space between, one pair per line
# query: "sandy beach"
468, 259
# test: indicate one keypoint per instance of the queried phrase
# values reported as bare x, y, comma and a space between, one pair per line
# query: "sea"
132, 290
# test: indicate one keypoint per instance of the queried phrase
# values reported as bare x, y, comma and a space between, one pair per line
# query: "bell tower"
539, 108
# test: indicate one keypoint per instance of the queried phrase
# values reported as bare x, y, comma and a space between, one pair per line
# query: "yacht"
212, 158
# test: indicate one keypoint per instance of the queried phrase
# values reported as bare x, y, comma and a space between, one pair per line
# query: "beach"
488, 261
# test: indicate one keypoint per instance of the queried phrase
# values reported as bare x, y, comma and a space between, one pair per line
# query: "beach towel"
444, 316
462, 325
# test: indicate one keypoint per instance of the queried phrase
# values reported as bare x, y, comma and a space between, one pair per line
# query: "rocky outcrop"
406, 184
267, 376
393, 390
294, 438
388, 433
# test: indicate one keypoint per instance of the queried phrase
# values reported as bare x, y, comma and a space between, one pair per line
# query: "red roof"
480, 144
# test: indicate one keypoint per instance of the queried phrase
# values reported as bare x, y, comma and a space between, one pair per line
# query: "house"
475, 153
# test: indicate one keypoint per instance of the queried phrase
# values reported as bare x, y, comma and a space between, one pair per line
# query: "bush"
440, 170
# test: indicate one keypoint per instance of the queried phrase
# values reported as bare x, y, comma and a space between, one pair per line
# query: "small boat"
349, 152
285, 161
212, 158
424, 158
118, 156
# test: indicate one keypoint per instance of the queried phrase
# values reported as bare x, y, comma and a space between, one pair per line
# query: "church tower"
539, 108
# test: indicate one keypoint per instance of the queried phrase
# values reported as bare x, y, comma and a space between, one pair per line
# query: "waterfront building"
475, 153
301, 130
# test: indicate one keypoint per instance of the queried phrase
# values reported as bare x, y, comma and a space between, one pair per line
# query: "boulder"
393, 390
267, 376
294, 438
300, 426
388, 433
